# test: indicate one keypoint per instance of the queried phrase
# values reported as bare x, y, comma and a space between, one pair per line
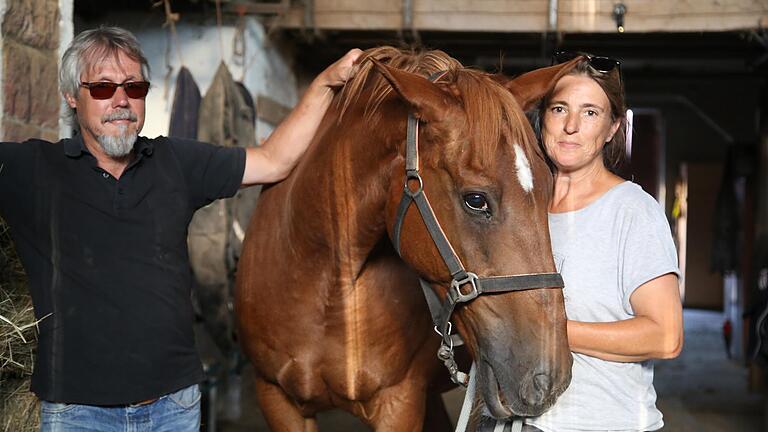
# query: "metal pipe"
408, 23
309, 15
553, 15
408, 14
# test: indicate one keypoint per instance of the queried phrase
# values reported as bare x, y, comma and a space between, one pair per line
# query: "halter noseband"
460, 276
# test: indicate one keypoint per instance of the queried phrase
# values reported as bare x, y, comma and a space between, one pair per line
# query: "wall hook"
619, 10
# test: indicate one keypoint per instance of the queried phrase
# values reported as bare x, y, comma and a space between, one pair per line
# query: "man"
100, 223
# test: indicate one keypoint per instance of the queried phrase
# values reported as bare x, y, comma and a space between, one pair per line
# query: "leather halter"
460, 276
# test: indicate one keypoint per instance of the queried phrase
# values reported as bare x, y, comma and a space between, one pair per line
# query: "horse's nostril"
536, 390
542, 383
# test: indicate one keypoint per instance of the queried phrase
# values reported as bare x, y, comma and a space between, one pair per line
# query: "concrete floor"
704, 391
700, 391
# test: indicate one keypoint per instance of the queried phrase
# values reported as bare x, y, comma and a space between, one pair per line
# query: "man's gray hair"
91, 47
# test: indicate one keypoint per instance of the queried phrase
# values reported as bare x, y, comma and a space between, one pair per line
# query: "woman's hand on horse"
342, 70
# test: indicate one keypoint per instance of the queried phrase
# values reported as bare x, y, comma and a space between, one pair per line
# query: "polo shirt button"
105, 175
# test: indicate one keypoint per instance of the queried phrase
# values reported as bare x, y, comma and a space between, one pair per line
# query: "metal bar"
309, 16
553, 15
408, 14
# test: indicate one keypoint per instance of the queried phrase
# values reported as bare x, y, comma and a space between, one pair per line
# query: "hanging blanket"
217, 230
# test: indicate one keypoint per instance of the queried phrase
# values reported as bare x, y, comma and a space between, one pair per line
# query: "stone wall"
30, 37
29, 108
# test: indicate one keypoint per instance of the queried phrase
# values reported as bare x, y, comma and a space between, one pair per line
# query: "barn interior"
696, 79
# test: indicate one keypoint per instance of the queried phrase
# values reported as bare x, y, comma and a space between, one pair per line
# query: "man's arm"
276, 157
656, 331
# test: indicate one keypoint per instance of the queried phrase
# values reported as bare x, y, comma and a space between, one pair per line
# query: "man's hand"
342, 70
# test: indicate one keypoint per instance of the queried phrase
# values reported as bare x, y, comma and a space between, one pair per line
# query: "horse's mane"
490, 123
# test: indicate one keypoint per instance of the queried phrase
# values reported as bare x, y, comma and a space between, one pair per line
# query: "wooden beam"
574, 16
257, 8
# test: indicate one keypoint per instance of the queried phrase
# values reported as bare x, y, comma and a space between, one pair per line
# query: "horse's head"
489, 185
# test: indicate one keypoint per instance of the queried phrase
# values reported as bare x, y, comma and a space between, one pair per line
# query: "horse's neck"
340, 189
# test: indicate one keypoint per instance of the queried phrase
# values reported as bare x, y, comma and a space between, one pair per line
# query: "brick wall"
30, 32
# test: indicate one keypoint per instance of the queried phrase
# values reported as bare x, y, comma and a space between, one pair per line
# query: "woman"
612, 244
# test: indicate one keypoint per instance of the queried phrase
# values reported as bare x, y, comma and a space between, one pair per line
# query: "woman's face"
577, 123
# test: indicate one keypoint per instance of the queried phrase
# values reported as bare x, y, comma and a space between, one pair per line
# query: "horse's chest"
371, 333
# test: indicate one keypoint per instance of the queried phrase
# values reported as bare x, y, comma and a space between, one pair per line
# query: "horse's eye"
476, 202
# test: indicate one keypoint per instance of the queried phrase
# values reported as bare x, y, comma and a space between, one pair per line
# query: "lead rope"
469, 400
517, 425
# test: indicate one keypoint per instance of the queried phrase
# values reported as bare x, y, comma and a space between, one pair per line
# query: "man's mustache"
119, 114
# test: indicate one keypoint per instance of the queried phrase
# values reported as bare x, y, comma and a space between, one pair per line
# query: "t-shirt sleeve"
646, 249
212, 171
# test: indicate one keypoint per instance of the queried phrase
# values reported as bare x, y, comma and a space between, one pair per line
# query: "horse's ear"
530, 87
429, 102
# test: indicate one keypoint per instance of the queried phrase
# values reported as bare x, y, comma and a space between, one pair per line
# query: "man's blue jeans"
175, 412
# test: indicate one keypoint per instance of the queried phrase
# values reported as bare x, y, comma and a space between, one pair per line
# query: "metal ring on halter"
448, 330
446, 337
455, 291
417, 177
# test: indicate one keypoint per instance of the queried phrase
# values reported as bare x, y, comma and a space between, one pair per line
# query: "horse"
331, 315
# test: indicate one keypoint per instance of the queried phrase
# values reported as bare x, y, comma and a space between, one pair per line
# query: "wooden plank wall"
663, 15
574, 16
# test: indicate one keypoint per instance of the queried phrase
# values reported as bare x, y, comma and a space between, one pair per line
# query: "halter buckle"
455, 293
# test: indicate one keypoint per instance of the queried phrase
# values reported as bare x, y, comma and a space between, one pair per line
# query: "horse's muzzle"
530, 396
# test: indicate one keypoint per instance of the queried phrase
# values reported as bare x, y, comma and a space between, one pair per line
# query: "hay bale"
18, 341
17, 331
19, 408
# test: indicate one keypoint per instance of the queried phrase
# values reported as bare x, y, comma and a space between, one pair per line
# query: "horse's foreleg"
398, 409
280, 411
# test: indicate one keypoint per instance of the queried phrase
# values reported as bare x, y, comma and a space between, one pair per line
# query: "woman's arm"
656, 331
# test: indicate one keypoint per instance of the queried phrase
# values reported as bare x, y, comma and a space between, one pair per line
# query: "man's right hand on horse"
342, 70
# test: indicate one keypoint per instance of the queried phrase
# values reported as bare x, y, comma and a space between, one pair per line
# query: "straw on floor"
18, 341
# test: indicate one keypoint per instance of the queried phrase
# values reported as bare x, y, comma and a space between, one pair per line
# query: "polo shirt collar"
144, 146
75, 146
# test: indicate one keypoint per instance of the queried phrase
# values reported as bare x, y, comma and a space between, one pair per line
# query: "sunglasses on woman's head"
598, 63
105, 89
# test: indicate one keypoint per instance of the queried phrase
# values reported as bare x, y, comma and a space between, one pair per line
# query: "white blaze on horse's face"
524, 173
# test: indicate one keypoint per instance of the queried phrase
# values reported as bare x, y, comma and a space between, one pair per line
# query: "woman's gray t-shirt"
605, 251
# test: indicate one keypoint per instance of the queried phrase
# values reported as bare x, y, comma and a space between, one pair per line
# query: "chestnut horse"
329, 313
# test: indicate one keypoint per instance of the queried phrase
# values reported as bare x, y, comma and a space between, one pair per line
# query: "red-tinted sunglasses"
105, 90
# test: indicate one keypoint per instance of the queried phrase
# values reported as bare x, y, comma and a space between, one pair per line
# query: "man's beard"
120, 145
117, 146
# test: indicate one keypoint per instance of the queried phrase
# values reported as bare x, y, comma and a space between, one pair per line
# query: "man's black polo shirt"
107, 262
